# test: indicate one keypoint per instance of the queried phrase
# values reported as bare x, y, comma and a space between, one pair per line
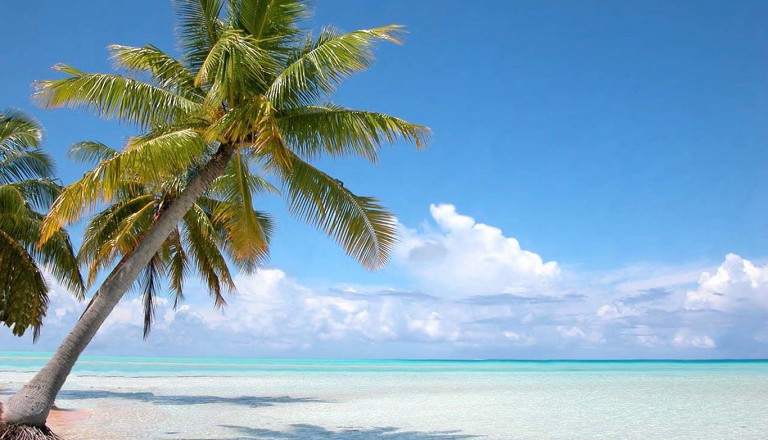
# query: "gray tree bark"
31, 405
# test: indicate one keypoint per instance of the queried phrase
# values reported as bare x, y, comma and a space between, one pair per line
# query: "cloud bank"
474, 293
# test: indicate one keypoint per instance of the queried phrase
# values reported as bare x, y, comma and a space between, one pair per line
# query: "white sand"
417, 406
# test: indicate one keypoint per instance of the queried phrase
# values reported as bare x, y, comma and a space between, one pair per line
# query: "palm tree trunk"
31, 405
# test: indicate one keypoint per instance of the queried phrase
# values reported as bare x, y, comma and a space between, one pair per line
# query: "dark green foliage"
26, 191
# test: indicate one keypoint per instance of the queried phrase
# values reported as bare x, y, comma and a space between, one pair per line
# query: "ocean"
174, 398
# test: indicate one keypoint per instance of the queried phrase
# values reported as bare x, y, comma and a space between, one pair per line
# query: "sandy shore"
670, 402
65, 420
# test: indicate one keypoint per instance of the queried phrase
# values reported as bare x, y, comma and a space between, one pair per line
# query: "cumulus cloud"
459, 257
474, 293
685, 338
608, 311
736, 284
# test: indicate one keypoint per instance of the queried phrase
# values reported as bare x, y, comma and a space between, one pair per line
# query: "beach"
129, 398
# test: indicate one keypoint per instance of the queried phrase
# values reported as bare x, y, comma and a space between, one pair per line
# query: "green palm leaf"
201, 236
363, 227
18, 131
150, 281
20, 158
21, 165
99, 249
247, 232
115, 96
23, 291
273, 22
235, 67
319, 65
338, 131
178, 266
166, 71
198, 29
150, 158
91, 152
38, 193
25, 190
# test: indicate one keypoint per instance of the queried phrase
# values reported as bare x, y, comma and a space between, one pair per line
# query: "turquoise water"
142, 366
271, 399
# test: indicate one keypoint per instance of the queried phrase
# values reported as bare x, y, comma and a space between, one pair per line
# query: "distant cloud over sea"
472, 291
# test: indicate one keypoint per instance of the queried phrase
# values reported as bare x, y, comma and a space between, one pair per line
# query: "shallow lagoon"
130, 398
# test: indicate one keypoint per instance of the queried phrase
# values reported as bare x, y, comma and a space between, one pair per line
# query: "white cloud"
434, 327
463, 257
608, 311
685, 338
575, 333
270, 306
571, 332
642, 277
736, 284
519, 339
645, 336
476, 294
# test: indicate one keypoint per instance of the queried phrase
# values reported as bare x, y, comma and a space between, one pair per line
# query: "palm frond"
133, 227
338, 131
19, 131
149, 158
198, 29
165, 70
21, 165
247, 233
149, 282
12, 202
115, 96
23, 291
273, 22
236, 67
222, 187
57, 254
25, 187
178, 266
239, 124
319, 65
91, 152
98, 249
363, 227
39, 193
201, 238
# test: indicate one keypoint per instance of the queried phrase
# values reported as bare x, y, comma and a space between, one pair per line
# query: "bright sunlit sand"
113, 398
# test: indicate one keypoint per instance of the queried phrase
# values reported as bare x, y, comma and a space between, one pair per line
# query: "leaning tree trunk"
31, 405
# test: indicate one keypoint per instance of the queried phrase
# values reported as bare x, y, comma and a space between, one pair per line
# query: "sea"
190, 398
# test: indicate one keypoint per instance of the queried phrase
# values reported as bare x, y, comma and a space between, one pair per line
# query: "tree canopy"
26, 191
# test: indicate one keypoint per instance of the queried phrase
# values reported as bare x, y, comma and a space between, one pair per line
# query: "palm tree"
199, 243
248, 95
26, 192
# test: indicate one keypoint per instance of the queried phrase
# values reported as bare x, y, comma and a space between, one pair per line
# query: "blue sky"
621, 145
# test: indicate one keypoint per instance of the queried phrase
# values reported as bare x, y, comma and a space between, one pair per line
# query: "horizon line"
224, 358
